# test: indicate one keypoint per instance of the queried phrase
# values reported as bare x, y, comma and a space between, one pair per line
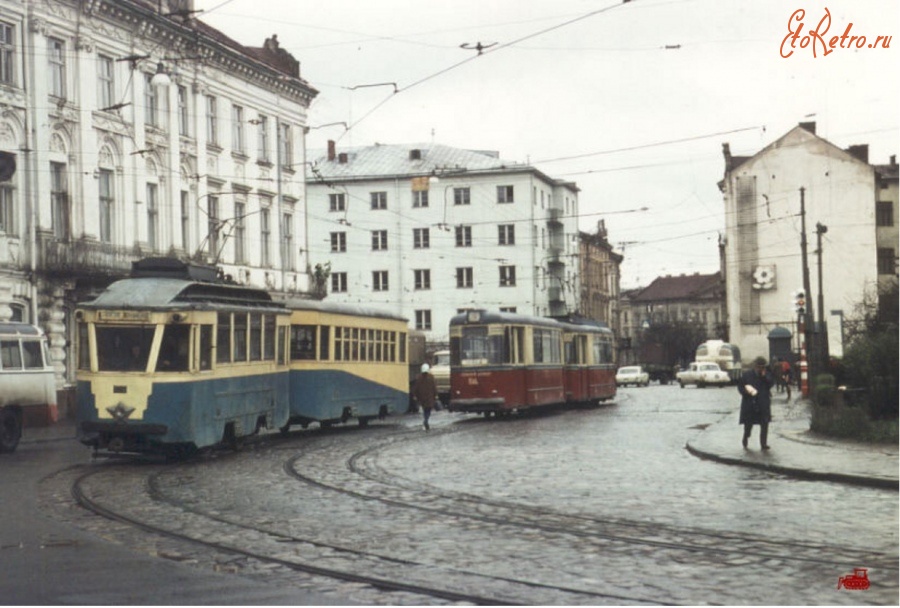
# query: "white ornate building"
426, 230
111, 165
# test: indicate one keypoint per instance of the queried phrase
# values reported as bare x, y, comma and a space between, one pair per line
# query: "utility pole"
810, 312
822, 332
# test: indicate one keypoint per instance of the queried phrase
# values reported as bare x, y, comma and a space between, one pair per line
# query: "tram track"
266, 541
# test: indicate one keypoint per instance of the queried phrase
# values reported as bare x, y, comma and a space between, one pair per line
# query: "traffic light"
800, 302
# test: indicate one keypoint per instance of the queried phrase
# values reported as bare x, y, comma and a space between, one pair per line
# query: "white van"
27, 383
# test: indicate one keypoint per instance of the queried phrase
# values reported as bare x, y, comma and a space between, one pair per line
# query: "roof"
888, 172
166, 293
682, 287
418, 159
340, 308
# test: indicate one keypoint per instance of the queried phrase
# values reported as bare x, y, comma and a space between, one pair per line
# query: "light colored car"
632, 374
703, 374
440, 369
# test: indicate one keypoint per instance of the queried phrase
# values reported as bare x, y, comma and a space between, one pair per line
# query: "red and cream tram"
505, 362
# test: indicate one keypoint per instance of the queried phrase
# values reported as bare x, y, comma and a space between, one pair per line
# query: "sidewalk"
796, 452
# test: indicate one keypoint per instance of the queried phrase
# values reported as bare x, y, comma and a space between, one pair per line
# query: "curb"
857, 480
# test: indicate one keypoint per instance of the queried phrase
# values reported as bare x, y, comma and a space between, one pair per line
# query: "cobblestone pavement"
588, 506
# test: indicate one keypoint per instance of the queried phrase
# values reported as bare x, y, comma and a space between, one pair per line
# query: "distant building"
137, 130
856, 201
697, 299
600, 276
427, 230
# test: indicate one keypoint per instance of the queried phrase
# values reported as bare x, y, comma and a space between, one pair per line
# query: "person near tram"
425, 393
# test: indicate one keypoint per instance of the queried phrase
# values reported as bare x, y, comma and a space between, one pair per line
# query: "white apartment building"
137, 130
427, 230
763, 262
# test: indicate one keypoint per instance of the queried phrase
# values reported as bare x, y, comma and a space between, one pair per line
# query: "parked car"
632, 374
703, 374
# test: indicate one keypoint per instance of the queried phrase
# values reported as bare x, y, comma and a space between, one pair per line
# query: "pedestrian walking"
786, 377
425, 393
756, 403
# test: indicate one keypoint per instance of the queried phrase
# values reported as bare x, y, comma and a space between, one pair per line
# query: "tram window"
255, 337
546, 346
303, 342
269, 337
240, 337
282, 344
478, 348
84, 352
123, 348
324, 332
206, 347
10, 356
569, 348
223, 338
32, 356
173, 354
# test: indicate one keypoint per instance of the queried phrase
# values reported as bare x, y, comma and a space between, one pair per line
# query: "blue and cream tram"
173, 360
505, 362
347, 362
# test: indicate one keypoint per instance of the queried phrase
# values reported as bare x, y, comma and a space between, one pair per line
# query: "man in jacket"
425, 393
756, 402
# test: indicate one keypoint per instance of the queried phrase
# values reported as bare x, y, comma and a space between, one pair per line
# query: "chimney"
342, 158
809, 126
726, 152
860, 152
893, 160
415, 154
331, 150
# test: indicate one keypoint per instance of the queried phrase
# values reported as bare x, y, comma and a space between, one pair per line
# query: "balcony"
554, 215
83, 257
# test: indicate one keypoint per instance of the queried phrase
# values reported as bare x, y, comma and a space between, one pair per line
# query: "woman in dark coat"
756, 403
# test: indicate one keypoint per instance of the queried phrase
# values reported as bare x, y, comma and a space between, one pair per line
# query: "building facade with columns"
137, 130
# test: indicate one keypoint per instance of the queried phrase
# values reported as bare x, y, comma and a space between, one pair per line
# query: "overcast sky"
632, 101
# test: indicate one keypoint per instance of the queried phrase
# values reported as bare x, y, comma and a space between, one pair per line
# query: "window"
7, 53
56, 54
256, 334
123, 348
107, 202
379, 200
420, 198
184, 121
884, 213
505, 194
380, 280
263, 124
508, 309
379, 240
423, 320
421, 238
507, 276
507, 234
212, 121
153, 100
268, 337
422, 279
213, 226
59, 200
338, 282
887, 260
462, 196
546, 346
463, 236
264, 234
336, 202
106, 91
84, 349
287, 241
205, 347
174, 349
338, 242
152, 216
303, 342
286, 146
237, 129
239, 325
7, 209
185, 220
223, 337
240, 232
464, 277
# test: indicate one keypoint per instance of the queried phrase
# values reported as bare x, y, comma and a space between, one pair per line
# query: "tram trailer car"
27, 382
347, 362
172, 360
505, 362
